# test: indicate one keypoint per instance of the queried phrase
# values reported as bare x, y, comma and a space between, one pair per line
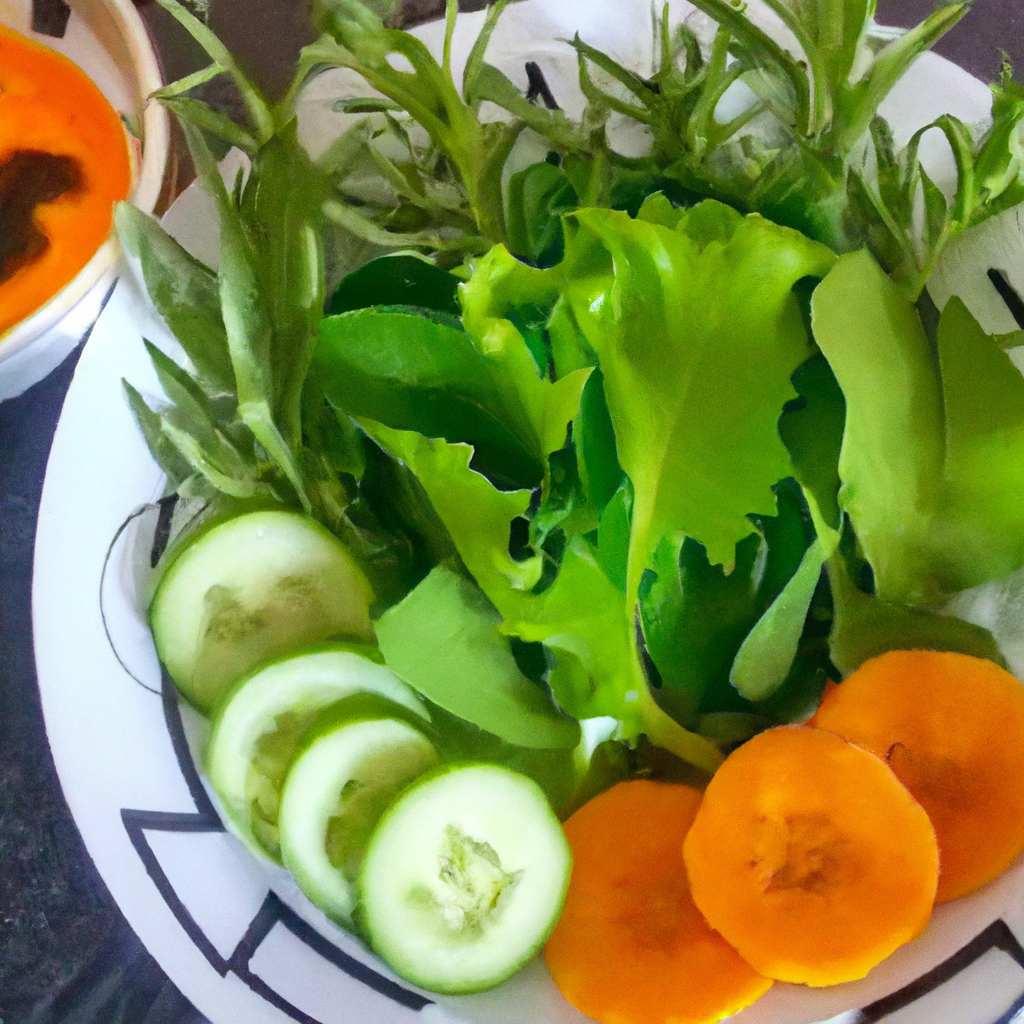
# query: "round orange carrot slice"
952, 728
631, 947
811, 858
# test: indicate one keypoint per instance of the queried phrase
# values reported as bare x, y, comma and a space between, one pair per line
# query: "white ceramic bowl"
109, 41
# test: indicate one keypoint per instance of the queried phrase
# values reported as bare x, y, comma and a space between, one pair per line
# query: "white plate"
235, 935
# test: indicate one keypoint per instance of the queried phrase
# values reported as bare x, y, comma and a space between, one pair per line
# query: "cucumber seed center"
472, 880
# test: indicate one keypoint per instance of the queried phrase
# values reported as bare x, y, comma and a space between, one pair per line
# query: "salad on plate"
599, 536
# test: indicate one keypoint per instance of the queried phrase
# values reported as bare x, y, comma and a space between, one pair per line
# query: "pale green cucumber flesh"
260, 725
251, 589
334, 794
464, 879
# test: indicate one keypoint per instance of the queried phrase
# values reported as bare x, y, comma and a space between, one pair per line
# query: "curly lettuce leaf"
596, 668
698, 332
476, 514
581, 617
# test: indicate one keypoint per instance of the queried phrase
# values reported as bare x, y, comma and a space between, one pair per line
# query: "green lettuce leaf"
697, 331
933, 446
866, 626
697, 618
444, 634
812, 430
399, 280
891, 461
982, 518
480, 386
767, 654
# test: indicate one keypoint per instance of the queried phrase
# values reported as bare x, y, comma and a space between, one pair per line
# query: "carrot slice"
631, 947
952, 728
811, 857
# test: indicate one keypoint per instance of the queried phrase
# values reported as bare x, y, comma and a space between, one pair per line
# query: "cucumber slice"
334, 795
259, 727
464, 878
250, 589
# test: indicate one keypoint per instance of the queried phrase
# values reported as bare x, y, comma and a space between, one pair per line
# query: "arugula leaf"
698, 332
594, 435
281, 223
247, 317
445, 633
695, 617
398, 280
990, 179
185, 294
165, 452
564, 506
355, 37
255, 104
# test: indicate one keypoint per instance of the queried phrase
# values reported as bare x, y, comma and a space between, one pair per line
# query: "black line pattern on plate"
136, 824
1013, 302
50, 17
272, 912
183, 754
996, 936
538, 86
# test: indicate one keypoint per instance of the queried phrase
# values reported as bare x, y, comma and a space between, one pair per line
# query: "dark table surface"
67, 956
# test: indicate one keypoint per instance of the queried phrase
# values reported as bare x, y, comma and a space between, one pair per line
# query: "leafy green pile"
663, 456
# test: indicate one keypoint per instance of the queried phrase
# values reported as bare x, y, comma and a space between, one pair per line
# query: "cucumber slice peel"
263, 723
464, 879
250, 589
336, 791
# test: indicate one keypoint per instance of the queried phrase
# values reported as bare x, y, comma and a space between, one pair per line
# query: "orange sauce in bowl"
64, 162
